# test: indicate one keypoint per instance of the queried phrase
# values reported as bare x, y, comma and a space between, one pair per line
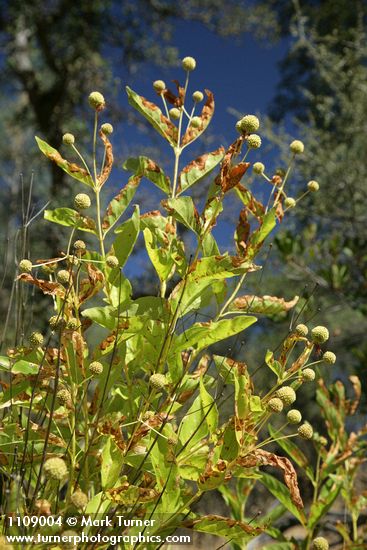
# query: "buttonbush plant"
133, 419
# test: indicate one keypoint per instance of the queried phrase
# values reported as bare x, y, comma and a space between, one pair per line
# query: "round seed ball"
320, 543
305, 431
63, 276
275, 404
319, 334
25, 266
107, 128
308, 375
197, 96
286, 394
249, 123
188, 63
96, 367
96, 101
258, 168
301, 330
36, 339
294, 416
253, 141
297, 147
158, 381
82, 201
159, 86
329, 357
112, 261
68, 139
79, 499
55, 468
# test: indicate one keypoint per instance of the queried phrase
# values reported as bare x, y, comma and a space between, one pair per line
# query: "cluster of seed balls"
188, 64
286, 395
297, 148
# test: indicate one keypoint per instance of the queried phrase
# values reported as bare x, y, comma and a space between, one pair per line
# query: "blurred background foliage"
54, 53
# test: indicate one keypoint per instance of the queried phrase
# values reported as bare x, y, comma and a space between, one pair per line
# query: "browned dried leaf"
107, 167
89, 287
47, 287
353, 405
71, 166
242, 232
206, 115
263, 458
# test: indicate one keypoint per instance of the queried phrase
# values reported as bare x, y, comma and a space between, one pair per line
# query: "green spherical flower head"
258, 168
80, 245
238, 127
196, 122
36, 339
63, 396
197, 96
56, 321
305, 431
249, 124
329, 357
253, 141
188, 63
174, 113
112, 261
55, 468
96, 101
72, 324
96, 367
322, 440
158, 381
308, 375
313, 186
320, 543
159, 86
275, 405
294, 416
286, 394
319, 335
79, 499
82, 201
301, 330
297, 147
290, 202
25, 266
63, 276
107, 128
68, 139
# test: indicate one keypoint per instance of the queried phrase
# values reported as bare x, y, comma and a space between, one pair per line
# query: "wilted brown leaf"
47, 287
107, 167
206, 115
263, 458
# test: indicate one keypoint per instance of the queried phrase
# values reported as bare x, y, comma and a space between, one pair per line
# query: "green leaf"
258, 237
24, 367
255, 404
326, 497
201, 335
127, 234
280, 546
187, 295
166, 470
144, 166
281, 492
70, 168
119, 204
112, 461
70, 218
5, 363
274, 365
265, 305
223, 527
160, 257
242, 389
209, 408
193, 427
198, 169
184, 211
209, 246
103, 315
154, 116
